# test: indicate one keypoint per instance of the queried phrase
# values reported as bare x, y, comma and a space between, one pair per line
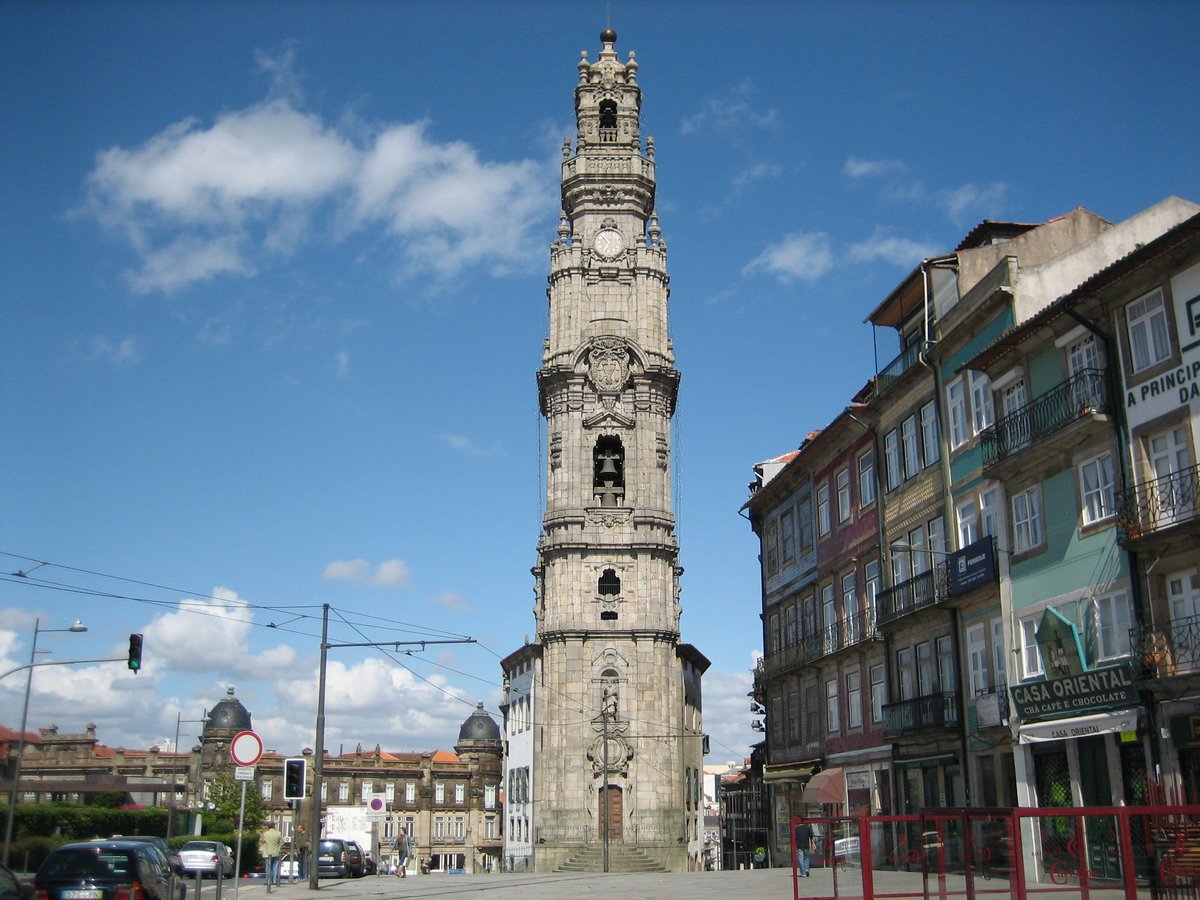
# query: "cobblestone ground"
743, 885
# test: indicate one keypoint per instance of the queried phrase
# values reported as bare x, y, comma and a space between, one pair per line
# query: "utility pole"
319, 762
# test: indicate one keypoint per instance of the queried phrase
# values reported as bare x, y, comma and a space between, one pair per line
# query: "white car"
206, 858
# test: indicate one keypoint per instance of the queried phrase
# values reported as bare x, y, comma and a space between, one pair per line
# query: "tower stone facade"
607, 700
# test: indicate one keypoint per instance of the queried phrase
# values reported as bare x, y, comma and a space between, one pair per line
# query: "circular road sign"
377, 805
246, 748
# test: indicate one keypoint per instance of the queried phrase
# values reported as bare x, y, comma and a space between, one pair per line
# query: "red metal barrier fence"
1103, 852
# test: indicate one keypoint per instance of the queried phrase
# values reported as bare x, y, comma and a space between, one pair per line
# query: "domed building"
226, 720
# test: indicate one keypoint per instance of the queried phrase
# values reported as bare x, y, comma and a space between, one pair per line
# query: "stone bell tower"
616, 751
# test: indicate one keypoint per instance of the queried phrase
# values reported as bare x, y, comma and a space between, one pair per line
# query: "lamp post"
76, 628
171, 804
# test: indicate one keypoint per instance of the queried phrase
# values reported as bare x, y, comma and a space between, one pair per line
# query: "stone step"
620, 859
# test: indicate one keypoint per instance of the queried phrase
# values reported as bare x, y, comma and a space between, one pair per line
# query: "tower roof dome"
228, 715
479, 727
608, 36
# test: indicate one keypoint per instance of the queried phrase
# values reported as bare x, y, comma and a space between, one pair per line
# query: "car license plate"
90, 894
326, 859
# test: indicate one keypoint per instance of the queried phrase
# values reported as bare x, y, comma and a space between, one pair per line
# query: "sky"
273, 300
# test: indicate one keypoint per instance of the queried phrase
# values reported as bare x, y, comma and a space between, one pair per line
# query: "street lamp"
77, 628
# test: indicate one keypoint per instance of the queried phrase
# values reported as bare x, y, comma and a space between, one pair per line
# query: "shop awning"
1080, 726
828, 786
787, 772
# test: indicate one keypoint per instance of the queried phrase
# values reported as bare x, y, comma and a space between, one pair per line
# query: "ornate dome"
479, 727
228, 715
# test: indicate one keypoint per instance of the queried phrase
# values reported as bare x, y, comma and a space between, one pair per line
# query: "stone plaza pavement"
745, 885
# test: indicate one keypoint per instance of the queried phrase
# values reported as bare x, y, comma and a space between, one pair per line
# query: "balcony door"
1173, 498
1183, 590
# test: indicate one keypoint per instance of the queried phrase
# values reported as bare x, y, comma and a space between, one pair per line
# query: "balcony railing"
1075, 398
921, 713
890, 373
847, 633
1159, 652
927, 589
1154, 505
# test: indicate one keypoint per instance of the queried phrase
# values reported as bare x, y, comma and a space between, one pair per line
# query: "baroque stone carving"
608, 365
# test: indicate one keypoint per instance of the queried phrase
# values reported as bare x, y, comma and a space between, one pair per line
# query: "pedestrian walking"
804, 842
270, 842
405, 847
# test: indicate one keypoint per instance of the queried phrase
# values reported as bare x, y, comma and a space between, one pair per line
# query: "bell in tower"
609, 482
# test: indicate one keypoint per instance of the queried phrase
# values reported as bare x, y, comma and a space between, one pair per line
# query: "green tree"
227, 795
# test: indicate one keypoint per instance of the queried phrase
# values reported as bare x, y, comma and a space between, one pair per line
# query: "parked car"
367, 866
206, 858
12, 887
159, 842
339, 858
107, 870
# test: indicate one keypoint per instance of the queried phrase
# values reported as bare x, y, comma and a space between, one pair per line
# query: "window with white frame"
804, 524
1083, 355
891, 459
268, 788
1183, 594
947, 671
968, 523
1031, 657
460, 827
828, 614
919, 548
878, 693
439, 793
874, 586
1097, 489
924, 669
912, 449
1111, 613
866, 478
999, 659
1149, 335
981, 401
832, 719
930, 446
1027, 519
489, 828
901, 562
956, 413
460, 794
324, 791
823, 510
843, 494
366, 792
989, 511
854, 699
977, 659
343, 792
850, 606
937, 538
906, 673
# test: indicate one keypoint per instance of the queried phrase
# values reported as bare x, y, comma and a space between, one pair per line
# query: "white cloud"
889, 248
196, 202
451, 600
855, 167
391, 573
960, 201
341, 364
727, 715
806, 256
119, 353
464, 444
731, 111
757, 172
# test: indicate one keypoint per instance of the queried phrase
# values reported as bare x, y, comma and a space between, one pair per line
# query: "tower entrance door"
611, 811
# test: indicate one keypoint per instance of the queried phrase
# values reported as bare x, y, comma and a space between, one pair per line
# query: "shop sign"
1055, 698
972, 566
1185, 732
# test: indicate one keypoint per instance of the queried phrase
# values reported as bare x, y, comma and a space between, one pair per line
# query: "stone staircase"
620, 859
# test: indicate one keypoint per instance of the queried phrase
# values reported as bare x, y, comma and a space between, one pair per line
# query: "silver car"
206, 858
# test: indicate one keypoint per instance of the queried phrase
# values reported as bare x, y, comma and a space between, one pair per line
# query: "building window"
1027, 520
832, 720
823, 510
460, 827
344, 792
843, 495
771, 547
924, 669
919, 549
891, 459
977, 659
489, 828
1031, 658
901, 562
878, 693
410, 793
874, 585
989, 511
1111, 613
828, 615
1097, 490
866, 478
608, 472
460, 794
956, 412
947, 675
790, 637
366, 792
854, 699
268, 788
999, 660
1149, 337
804, 524
439, 793
1083, 355
968, 524
912, 456
787, 537
906, 673
324, 791
929, 434
793, 715
981, 401
390, 792
812, 713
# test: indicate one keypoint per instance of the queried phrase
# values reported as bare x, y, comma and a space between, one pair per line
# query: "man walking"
270, 842
404, 846
804, 841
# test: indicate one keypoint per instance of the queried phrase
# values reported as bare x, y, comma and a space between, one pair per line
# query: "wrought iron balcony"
847, 633
1160, 652
927, 589
1078, 396
1154, 505
892, 372
921, 713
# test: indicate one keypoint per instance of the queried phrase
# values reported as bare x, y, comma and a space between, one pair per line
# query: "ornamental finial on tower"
608, 37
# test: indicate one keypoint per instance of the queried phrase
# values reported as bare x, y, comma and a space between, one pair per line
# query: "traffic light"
135, 652
293, 779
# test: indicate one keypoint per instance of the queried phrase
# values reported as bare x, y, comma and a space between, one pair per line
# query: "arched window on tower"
608, 466
608, 120
610, 584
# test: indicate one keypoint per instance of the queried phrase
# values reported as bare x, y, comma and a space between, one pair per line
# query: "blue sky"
273, 297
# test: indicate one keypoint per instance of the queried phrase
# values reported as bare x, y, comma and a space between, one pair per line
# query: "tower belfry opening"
607, 388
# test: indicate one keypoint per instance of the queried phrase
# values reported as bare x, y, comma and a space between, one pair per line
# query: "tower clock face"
608, 243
